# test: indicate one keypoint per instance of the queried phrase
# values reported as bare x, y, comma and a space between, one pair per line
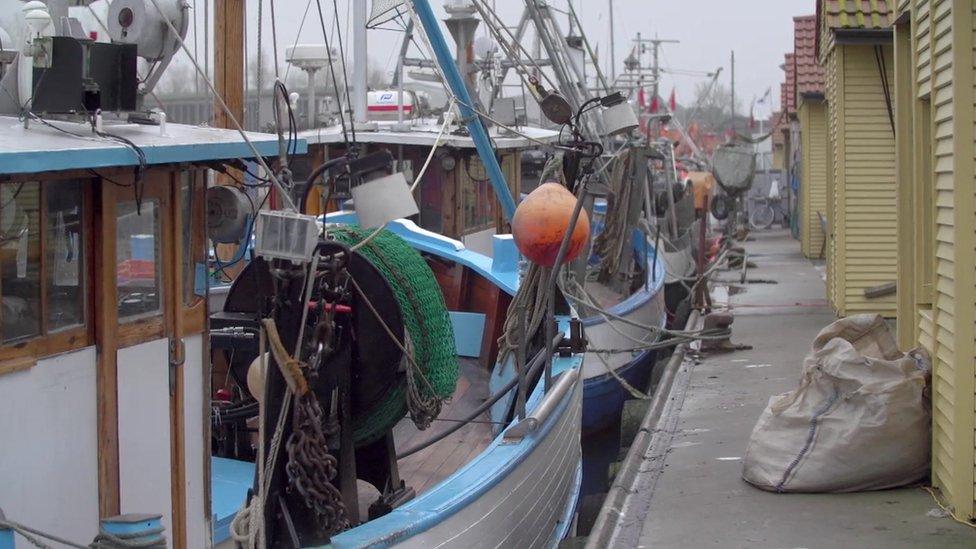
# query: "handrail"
567, 380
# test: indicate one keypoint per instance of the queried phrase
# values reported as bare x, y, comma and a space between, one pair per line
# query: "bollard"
135, 528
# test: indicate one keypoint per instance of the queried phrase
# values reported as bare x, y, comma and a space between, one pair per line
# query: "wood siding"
863, 252
813, 181
941, 178
834, 79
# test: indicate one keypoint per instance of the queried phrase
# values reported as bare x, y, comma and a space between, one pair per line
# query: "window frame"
47, 342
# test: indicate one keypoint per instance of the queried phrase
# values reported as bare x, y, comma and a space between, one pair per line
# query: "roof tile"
809, 73
790, 84
858, 14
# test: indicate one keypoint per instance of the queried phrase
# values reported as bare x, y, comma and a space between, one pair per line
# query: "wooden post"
106, 321
229, 83
229, 60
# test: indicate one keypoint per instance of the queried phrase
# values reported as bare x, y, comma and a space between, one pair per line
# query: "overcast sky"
760, 32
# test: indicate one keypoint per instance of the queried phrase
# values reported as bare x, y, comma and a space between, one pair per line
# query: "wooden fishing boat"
510, 482
104, 369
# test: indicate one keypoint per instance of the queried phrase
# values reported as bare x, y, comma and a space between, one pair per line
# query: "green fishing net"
427, 323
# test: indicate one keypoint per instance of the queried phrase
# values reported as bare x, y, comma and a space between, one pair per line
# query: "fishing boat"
420, 306
104, 368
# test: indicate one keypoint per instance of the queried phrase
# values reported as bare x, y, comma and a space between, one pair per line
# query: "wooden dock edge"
624, 510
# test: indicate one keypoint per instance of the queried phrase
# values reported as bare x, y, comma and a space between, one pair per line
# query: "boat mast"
445, 60
360, 62
613, 49
229, 62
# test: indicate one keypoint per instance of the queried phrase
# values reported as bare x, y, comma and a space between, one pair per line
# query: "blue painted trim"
111, 156
230, 480
469, 329
462, 488
503, 274
128, 525
445, 60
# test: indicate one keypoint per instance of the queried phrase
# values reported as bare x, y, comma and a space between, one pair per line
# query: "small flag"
673, 102
641, 98
762, 100
655, 104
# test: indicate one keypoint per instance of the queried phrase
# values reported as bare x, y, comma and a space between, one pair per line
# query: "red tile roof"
790, 85
809, 73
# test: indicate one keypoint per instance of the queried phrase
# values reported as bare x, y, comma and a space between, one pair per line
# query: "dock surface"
692, 491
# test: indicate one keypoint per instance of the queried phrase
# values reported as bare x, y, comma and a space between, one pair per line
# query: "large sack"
859, 420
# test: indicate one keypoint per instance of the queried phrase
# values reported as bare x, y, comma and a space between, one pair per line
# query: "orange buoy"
542, 219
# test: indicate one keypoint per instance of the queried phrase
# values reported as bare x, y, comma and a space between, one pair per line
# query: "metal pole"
360, 61
445, 60
733, 91
613, 48
551, 285
312, 103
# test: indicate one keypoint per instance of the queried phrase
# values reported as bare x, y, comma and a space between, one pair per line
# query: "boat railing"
563, 385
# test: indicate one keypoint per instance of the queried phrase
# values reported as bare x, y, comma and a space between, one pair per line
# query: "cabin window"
138, 259
20, 260
43, 267
64, 235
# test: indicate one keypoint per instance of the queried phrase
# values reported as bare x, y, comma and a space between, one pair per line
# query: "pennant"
655, 104
673, 101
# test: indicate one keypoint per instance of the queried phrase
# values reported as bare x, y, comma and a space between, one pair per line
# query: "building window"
138, 259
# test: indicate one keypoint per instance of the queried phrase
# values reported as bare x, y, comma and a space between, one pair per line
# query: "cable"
345, 73
946, 509
533, 368
109, 179
335, 83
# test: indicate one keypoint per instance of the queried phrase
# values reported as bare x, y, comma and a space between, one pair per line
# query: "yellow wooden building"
812, 118
934, 60
854, 46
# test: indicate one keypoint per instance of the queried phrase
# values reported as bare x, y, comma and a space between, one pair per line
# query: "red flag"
641, 98
673, 102
655, 105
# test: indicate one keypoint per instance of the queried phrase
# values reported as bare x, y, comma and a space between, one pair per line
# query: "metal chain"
311, 468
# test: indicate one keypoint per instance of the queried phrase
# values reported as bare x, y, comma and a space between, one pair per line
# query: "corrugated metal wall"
864, 220
813, 183
942, 183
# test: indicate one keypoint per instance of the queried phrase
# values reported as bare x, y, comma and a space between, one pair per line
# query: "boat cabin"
103, 354
455, 197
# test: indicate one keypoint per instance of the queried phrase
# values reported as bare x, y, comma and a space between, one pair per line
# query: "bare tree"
711, 107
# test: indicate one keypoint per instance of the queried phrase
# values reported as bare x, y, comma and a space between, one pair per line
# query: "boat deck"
429, 466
